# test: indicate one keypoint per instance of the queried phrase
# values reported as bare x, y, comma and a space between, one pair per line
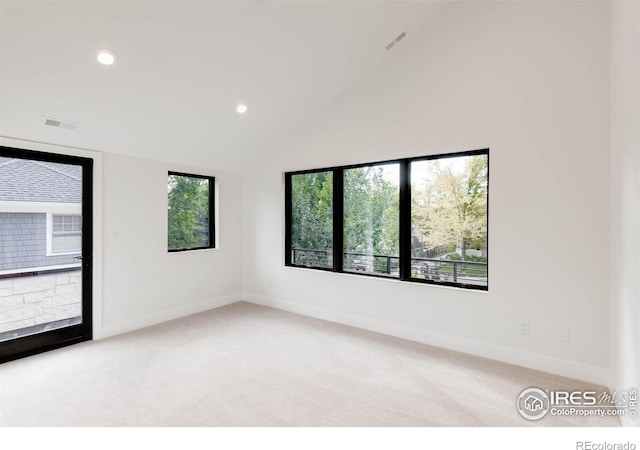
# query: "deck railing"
437, 269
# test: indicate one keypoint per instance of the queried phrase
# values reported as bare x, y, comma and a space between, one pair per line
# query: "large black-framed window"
422, 219
190, 212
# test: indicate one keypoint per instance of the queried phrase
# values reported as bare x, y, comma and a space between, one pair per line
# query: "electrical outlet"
524, 328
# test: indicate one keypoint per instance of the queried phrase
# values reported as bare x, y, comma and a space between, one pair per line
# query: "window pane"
67, 224
312, 219
188, 216
66, 243
449, 219
67, 234
371, 219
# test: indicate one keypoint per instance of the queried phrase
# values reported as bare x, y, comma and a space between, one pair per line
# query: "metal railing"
365, 262
437, 269
312, 257
451, 270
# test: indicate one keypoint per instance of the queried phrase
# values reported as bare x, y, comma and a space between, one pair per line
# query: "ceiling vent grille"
60, 124
393, 43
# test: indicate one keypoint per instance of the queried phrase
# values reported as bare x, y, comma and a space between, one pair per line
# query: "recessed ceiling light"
241, 108
106, 57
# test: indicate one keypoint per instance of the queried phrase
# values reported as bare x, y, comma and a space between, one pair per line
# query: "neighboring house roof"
26, 180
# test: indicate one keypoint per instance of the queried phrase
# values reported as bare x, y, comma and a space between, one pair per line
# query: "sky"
422, 171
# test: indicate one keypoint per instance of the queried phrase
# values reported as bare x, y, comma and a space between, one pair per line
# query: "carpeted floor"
247, 365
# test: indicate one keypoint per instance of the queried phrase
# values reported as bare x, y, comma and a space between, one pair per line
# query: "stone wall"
34, 300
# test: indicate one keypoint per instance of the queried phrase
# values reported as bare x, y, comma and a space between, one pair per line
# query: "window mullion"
288, 219
338, 220
405, 219
212, 208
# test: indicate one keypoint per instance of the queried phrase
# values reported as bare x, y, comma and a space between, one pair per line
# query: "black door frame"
49, 340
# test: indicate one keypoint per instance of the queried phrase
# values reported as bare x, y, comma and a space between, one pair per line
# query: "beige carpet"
247, 365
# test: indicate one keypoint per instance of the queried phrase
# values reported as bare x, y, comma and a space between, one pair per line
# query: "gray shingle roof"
26, 180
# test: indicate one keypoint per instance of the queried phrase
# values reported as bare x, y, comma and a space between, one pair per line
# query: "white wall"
530, 80
143, 283
625, 197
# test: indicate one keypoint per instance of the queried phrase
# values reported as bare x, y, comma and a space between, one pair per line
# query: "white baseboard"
164, 316
534, 361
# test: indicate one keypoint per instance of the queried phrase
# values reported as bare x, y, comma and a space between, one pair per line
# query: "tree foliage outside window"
371, 219
449, 218
189, 212
312, 219
449, 204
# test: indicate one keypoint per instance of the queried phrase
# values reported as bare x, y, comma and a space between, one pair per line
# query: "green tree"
451, 209
371, 212
188, 212
312, 217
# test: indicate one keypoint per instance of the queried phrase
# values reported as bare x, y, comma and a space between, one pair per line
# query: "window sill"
191, 250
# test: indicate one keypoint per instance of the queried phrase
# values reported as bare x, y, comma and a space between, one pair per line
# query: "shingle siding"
23, 242
26, 180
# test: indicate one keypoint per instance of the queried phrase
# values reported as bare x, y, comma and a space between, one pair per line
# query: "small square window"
190, 212
66, 234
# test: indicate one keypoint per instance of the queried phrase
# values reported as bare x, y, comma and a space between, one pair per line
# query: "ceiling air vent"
60, 124
400, 37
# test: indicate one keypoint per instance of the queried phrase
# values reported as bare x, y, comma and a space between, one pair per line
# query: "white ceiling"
183, 67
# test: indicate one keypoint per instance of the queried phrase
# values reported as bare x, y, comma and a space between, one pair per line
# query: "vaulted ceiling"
181, 69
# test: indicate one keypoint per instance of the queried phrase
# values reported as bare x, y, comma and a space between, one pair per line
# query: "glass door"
45, 251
